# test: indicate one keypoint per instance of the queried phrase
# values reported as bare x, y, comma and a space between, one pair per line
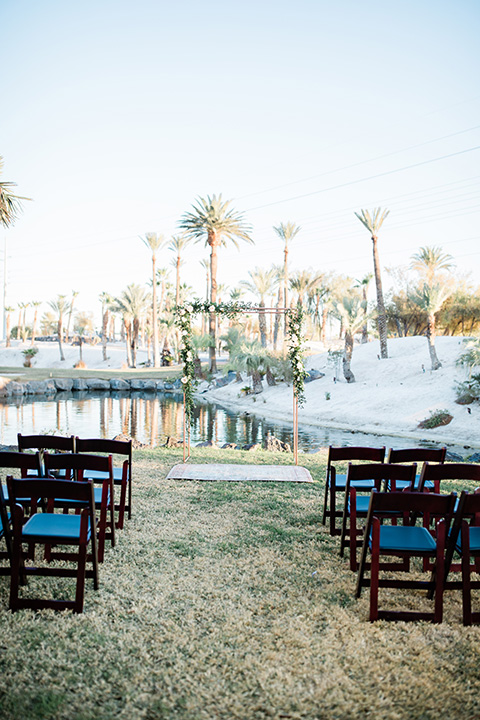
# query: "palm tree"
430, 299
177, 246
10, 204
364, 283
260, 284
162, 280
132, 304
434, 292
36, 304
154, 242
429, 262
350, 310
303, 282
373, 223
8, 322
106, 301
212, 221
60, 306
70, 312
286, 232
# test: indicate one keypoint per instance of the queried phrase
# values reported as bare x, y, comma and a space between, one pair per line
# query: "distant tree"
70, 312
286, 232
177, 245
35, 304
351, 311
363, 284
212, 220
373, 222
107, 302
155, 243
8, 324
60, 306
429, 262
260, 284
132, 303
430, 299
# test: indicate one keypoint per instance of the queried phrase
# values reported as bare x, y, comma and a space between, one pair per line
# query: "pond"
151, 418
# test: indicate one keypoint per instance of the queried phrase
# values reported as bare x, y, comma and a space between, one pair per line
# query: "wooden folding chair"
465, 540
405, 541
50, 528
79, 466
42, 443
122, 476
335, 482
434, 474
417, 455
357, 497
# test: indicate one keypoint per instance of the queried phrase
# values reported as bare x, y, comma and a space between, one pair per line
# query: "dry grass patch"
229, 600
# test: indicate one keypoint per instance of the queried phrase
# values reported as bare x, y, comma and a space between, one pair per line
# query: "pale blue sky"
116, 115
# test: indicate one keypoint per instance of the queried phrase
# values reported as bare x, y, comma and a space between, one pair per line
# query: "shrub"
468, 391
29, 355
436, 418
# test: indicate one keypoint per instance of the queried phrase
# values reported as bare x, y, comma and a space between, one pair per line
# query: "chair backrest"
49, 489
448, 471
381, 471
427, 504
46, 442
21, 461
77, 463
408, 455
105, 445
371, 454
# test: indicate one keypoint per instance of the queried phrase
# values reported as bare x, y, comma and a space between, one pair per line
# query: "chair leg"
353, 530
466, 579
440, 572
374, 569
80, 590
121, 509
16, 560
325, 502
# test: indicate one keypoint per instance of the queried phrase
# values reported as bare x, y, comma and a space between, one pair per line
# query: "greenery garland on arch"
231, 310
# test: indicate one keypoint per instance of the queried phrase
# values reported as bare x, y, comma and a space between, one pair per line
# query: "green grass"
225, 601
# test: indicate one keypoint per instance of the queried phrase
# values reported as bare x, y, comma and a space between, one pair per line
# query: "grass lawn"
229, 600
35, 373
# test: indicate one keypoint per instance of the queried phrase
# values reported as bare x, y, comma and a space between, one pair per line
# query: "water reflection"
151, 418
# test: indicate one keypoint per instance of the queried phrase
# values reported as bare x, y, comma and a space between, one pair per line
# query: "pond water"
151, 418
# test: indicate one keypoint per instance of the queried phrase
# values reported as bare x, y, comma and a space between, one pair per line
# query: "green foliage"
29, 354
470, 359
436, 418
468, 391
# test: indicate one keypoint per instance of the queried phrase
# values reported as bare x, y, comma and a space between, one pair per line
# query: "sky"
116, 116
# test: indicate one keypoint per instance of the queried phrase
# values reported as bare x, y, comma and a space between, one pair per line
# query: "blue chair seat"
53, 526
341, 482
363, 501
474, 540
99, 475
97, 496
20, 500
405, 538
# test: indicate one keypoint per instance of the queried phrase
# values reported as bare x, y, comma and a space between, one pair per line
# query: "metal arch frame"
186, 430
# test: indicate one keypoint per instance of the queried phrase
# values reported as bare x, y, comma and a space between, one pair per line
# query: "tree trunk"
156, 354
127, 331
365, 311
104, 334
212, 325
256, 382
431, 342
285, 287
262, 324
278, 316
347, 357
134, 340
60, 331
8, 341
382, 318
34, 328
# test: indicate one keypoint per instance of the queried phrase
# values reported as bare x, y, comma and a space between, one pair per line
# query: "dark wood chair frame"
42, 443
335, 482
83, 534
467, 516
417, 455
416, 504
122, 476
77, 467
384, 476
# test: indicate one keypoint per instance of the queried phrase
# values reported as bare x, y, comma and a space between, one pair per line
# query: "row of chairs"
46, 484
390, 499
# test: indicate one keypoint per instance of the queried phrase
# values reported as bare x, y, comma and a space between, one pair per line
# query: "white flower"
299, 364
184, 379
211, 308
189, 356
189, 308
182, 312
184, 332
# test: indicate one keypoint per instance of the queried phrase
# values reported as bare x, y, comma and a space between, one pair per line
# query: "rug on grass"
240, 473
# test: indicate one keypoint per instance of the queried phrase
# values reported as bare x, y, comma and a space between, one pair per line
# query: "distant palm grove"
426, 298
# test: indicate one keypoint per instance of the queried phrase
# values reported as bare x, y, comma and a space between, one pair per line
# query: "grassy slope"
230, 601
34, 373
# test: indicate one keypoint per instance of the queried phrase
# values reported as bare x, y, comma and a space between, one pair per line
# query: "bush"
29, 355
468, 391
436, 419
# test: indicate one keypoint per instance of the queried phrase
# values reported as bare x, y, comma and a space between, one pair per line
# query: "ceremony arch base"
229, 472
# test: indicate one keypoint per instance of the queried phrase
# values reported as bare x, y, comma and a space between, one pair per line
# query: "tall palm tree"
8, 324
155, 243
70, 312
10, 204
373, 222
260, 284
35, 304
177, 246
132, 304
213, 221
106, 301
286, 232
303, 282
60, 306
206, 266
